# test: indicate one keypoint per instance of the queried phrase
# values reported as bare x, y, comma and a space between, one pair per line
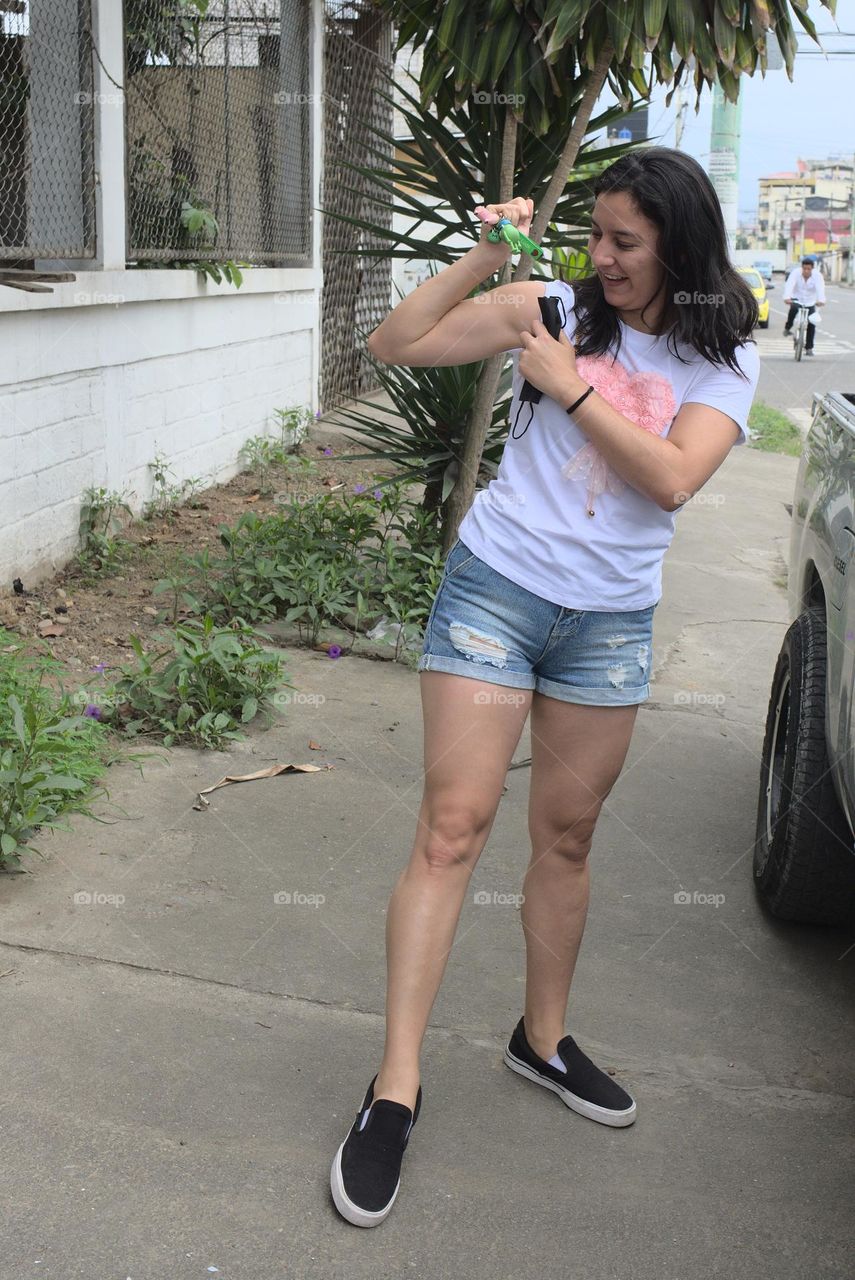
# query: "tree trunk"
461, 496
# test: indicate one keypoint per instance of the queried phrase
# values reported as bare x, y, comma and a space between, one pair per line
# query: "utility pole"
850, 263
723, 164
678, 124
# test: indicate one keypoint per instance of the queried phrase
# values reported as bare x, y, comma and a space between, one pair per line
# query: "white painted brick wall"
89, 394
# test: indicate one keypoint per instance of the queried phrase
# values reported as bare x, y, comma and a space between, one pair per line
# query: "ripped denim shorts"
485, 626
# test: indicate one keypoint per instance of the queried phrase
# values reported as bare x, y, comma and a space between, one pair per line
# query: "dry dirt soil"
93, 613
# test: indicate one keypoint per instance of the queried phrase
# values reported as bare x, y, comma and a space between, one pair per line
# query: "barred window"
217, 122
47, 168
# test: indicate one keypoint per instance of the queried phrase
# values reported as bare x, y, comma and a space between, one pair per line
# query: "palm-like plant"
435, 405
544, 64
433, 181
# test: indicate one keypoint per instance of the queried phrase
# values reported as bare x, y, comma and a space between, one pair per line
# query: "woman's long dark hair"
673, 192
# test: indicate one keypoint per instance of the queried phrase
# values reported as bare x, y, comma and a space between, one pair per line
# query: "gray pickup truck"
804, 853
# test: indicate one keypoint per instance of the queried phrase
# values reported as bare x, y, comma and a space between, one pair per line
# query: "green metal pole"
724, 158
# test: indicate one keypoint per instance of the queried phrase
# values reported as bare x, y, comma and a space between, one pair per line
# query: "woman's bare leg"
471, 729
577, 754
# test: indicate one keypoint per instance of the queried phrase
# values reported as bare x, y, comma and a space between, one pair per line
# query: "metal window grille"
356, 289
47, 167
217, 116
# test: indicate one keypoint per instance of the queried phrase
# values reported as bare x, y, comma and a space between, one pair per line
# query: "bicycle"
801, 325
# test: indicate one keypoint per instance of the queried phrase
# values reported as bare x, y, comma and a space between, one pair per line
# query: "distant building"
808, 211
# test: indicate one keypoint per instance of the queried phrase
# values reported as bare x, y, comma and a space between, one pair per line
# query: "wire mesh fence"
217, 131
47, 167
356, 290
218, 148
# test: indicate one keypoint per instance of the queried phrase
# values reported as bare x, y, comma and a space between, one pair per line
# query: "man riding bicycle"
807, 286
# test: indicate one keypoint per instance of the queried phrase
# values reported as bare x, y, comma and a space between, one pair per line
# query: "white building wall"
105, 371
90, 393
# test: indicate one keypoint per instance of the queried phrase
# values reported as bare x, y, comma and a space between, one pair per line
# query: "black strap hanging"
514, 435
554, 322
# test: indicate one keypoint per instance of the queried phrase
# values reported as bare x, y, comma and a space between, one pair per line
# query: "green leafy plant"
202, 230
200, 686
296, 564
101, 547
258, 456
262, 455
322, 561
51, 752
157, 33
293, 423
179, 583
167, 495
166, 210
424, 430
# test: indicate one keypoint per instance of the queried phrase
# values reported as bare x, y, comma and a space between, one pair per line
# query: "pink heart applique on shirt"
646, 398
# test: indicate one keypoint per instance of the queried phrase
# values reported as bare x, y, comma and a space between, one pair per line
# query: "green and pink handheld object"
519, 242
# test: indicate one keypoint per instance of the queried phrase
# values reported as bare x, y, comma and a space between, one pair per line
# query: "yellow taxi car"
755, 282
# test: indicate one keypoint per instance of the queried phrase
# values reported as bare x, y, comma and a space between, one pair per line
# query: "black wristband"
583, 396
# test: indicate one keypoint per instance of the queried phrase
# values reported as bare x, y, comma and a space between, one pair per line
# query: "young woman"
550, 591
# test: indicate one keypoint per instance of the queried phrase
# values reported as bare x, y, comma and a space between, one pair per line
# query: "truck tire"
804, 862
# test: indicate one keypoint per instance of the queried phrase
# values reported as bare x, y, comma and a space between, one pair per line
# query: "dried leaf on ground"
272, 772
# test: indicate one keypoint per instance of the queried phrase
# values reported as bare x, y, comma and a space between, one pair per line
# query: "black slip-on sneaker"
583, 1087
366, 1171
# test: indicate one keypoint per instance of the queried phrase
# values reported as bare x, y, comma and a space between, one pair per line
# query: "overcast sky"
813, 116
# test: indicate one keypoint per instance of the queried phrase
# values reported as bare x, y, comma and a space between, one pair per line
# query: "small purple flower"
334, 651
327, 452
91, 710
378, 494
359, 488
101, 666
317, 413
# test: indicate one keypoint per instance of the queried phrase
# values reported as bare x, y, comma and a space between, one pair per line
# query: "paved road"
789, 384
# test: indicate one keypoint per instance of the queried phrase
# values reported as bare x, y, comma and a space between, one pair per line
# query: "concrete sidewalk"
180, 1067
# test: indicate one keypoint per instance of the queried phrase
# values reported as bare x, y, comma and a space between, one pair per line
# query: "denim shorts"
485, 626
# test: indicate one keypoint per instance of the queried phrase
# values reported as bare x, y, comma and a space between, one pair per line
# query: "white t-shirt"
531, 522
811, 290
